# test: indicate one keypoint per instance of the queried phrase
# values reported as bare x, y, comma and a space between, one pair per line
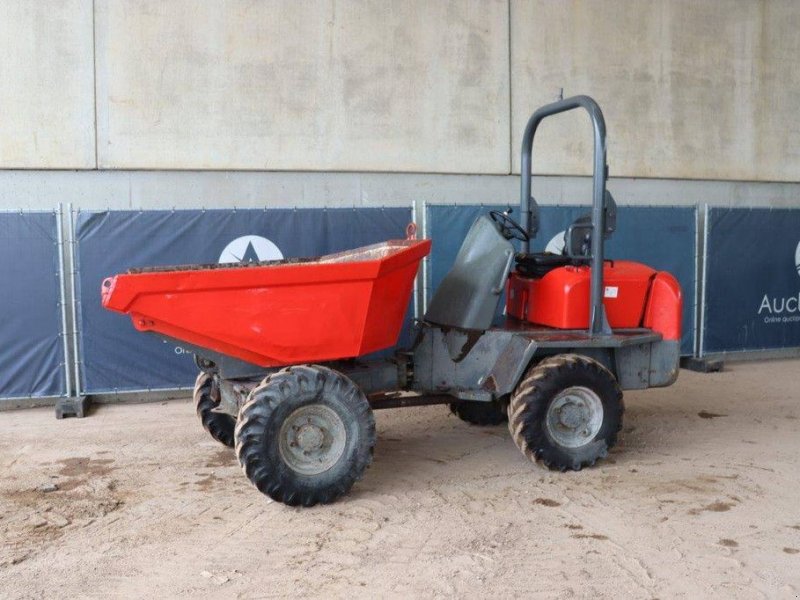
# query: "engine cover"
560, 298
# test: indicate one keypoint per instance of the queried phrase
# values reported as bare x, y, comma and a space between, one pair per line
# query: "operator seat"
577, 250
539, 264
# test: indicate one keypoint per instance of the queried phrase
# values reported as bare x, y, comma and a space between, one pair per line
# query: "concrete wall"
46, 84
696, 90
98, 190
370, 85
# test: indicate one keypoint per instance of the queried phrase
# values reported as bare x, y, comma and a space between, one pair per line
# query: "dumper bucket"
277, 313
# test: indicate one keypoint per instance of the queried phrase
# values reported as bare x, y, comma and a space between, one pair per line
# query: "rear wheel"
479, 413
219, 425
566, 412
305, 435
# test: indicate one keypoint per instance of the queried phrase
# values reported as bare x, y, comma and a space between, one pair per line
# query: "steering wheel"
510, 229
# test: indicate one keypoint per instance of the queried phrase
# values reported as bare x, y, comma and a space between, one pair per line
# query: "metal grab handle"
598, 322
502, 283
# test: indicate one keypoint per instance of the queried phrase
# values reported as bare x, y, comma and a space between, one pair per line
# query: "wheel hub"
312, 439
574, 417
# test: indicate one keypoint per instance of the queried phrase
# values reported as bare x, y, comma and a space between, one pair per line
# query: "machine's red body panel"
337, 306
664, 306
560, 299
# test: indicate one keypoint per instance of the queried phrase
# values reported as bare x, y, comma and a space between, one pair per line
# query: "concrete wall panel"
337, 85
696, 90
97, 190
46, 84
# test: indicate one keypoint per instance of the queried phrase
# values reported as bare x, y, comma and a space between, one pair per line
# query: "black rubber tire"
268, 406
219, 425
479, 413
527, 411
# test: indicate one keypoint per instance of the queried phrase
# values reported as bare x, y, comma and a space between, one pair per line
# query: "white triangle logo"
250, 248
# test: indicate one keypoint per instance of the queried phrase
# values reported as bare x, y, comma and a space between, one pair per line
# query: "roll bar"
598, 323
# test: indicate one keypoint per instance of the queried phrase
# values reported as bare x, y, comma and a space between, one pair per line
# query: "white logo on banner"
556, 243
250, 248
797, 258
782, 310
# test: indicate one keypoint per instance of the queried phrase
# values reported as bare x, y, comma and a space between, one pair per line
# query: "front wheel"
566, 412
305, 435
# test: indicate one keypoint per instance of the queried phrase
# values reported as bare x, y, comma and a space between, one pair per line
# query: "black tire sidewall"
356, 432
585, 373
219, 425
258, 440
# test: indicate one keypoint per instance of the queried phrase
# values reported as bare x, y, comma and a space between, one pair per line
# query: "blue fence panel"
31, 347
115, 357
662, 237
752, 291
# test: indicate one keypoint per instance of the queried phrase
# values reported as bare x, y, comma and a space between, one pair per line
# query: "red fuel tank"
561, 298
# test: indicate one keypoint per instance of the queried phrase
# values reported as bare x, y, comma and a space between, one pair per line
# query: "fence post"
62, 283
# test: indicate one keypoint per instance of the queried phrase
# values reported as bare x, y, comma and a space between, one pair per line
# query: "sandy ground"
700, 499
